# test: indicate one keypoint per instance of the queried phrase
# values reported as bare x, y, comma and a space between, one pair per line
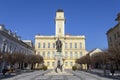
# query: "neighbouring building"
113, 35
11, 43
28, 42
73, 46
94, 51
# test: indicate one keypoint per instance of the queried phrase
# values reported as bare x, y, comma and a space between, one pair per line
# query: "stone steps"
43, 78
72, 78
58, 77
59, 73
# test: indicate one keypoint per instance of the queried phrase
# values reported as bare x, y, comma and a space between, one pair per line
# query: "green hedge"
74, 68
44, 67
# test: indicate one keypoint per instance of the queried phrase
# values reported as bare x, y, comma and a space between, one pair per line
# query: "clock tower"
59, 23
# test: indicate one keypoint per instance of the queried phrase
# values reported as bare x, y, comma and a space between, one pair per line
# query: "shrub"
44, 67
74, 68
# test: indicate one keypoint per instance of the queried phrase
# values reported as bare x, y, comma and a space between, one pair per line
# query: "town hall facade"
73, 47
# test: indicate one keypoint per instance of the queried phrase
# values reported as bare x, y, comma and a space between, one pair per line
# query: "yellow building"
73, 46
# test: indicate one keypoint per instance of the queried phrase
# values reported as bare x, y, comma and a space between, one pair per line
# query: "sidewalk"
100, 72
11, 74
7, 75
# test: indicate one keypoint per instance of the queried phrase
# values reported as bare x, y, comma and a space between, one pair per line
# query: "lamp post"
63, 56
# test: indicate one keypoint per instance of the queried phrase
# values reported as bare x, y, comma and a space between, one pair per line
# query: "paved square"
67, 75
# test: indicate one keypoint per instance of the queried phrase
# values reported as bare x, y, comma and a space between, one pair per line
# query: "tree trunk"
104, 69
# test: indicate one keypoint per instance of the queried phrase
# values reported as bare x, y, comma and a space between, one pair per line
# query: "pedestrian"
4, 71
112, 70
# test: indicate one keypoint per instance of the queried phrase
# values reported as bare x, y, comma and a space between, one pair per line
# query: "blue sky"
91, 18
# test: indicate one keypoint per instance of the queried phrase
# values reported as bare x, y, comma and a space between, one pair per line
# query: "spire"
118, 17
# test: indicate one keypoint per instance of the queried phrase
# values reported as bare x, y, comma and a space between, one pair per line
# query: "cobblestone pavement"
67, 75
87, 76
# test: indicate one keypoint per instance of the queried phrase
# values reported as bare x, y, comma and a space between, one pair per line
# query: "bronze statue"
59, 49
59, 45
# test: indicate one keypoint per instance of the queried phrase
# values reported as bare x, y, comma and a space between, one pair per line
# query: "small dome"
60, 10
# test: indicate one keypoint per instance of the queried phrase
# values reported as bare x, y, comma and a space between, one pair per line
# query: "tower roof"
60, 10
118, 17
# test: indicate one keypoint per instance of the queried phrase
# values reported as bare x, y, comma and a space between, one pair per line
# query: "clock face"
60, 23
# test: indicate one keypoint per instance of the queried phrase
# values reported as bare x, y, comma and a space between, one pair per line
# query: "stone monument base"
59, 73
59, 64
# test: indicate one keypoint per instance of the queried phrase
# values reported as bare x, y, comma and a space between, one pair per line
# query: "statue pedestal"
59, 61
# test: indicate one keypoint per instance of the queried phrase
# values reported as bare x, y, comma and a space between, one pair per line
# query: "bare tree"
84, 60
33, 59
1, 56
114, 58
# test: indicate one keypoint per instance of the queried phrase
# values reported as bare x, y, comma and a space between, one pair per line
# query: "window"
76, 55
75, 45
118, 34
71, 54
43, 54
53, 45
53, 63
110, 39
70, 45
15, 49
66, 63
115, 36
10, 49
65, 45
38, 45
53, 54
4, 47
48, 63
43, 45
80, 45
71, 64
81, 54
48, 54
48, 45
66, 54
